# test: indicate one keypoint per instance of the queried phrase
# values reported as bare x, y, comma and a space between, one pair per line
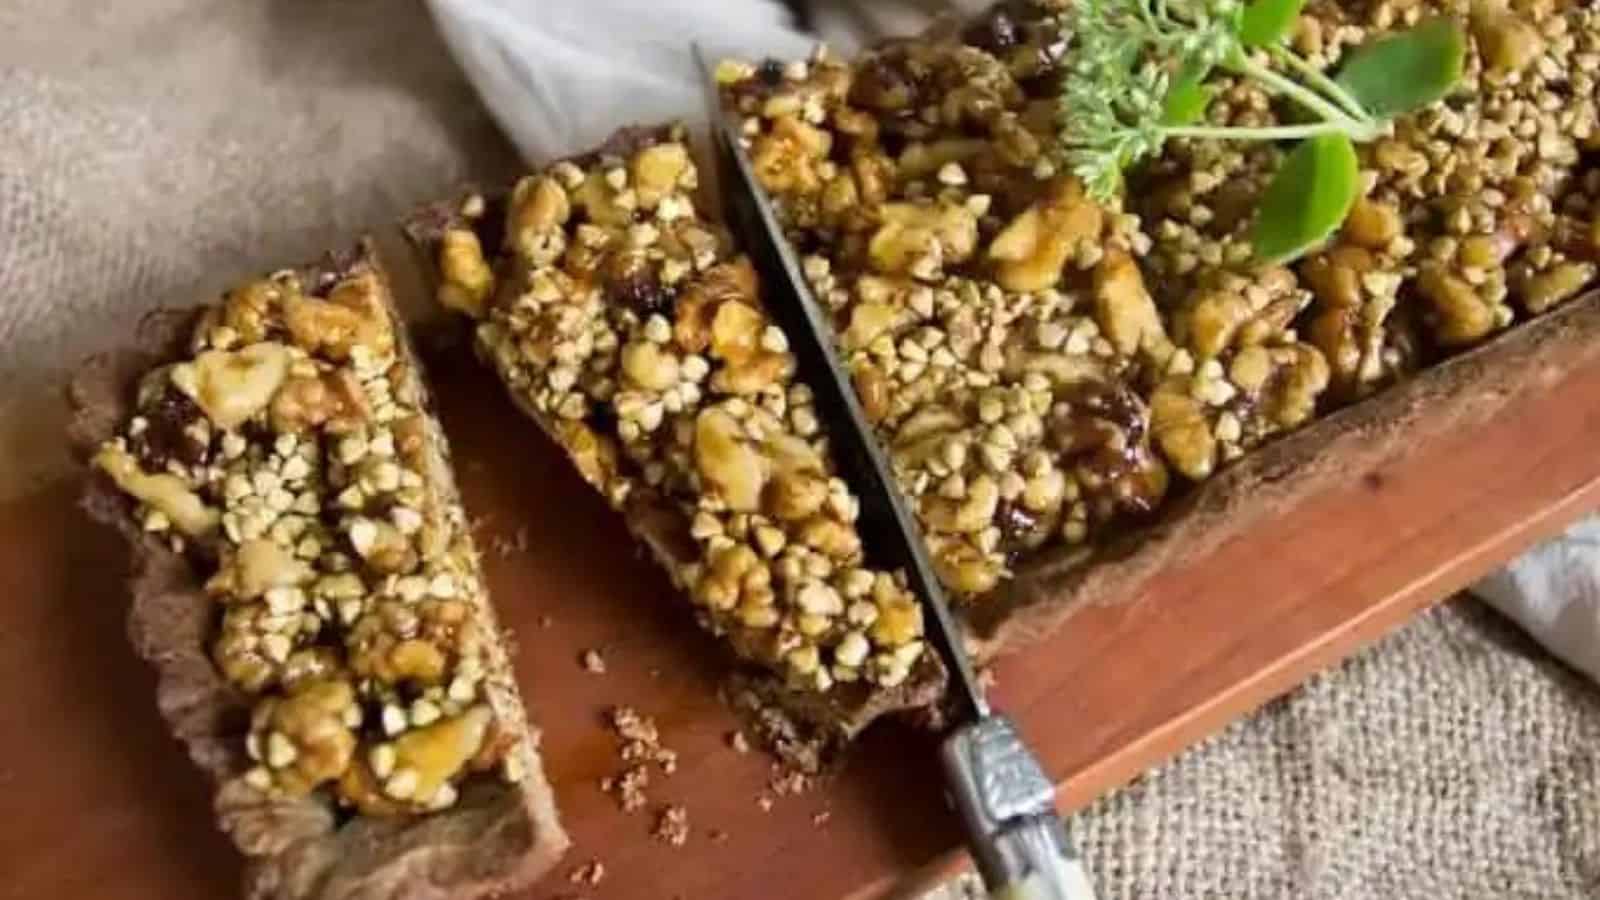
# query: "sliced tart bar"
308, 591
621, 321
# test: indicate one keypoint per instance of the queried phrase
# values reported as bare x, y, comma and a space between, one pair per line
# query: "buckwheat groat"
621, 321
309, 594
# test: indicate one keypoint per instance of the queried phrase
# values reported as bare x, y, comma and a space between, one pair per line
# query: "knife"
997, 786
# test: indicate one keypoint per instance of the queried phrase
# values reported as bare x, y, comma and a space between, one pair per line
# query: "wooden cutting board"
95, 799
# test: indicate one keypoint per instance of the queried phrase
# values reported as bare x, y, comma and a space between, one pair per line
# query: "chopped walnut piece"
233, 386
163, 492
1032, 250
307, 738
467, 280
1124, 309
1179, 424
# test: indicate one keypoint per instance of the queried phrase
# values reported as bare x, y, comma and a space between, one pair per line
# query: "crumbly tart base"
497, 837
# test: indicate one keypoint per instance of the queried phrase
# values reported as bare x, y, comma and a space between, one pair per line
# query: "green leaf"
1267, 22
1308, 198
1406, 71
1186, 103
1188, 96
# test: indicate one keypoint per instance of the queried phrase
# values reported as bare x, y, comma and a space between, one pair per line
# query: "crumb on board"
717, 836
787, 782
546, 621
738, 742
641, 747
505, 546
593, 662
628, 787
590, 873
672, 826
631, 726
821, 818
642, 740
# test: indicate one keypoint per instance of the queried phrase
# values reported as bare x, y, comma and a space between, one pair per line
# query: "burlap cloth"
152, 151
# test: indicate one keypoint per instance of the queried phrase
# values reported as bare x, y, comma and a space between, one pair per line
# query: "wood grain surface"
96, 800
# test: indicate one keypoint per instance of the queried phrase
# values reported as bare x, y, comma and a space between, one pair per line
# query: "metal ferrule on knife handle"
1008, 807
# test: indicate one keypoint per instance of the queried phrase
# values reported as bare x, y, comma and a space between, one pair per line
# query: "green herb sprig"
1138, 75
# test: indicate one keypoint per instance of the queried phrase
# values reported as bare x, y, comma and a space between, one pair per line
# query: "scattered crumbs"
628, 787
641, 747
502, 545
821, 818
590, 873
717, 835
672, 826
546, 621
594, 662
641, 740
787, 782
738, 742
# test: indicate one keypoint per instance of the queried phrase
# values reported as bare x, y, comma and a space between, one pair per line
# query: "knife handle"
1008, 807
1047, 867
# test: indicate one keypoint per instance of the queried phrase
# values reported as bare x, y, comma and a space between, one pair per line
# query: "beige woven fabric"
150, 152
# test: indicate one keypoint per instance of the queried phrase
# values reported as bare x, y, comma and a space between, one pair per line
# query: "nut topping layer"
290, 457
623, 324
1042, 368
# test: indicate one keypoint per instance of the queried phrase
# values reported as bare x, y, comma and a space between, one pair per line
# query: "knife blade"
997, 785
889, 532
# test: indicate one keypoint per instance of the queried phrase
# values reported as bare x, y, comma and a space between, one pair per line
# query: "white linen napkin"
1553, 593
560, 75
